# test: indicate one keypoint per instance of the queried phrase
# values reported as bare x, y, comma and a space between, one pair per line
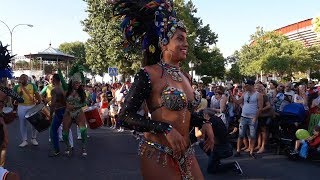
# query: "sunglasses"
248, 99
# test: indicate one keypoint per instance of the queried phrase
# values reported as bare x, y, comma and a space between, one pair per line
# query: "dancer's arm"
140, 91
63, 81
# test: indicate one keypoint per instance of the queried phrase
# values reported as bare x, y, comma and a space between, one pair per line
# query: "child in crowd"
104, 105
113, 113
313, 141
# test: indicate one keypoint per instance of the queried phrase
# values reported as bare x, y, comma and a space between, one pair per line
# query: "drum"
93, 117
8, 115
38, 116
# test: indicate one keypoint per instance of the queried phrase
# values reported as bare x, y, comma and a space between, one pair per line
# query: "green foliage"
206, 80
211, 63
35, 64
233, 58
316, 24
48, 68
77, 49
207, 61
314, 52
185, 12
234, 72
22, 65
104, 48
272, 52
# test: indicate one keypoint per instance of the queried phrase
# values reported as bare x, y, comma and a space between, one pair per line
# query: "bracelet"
167, 131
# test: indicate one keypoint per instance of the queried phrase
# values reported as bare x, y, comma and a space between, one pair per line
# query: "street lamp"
191, 65
11, 32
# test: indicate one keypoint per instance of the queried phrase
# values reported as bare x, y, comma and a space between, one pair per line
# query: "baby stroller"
291, 119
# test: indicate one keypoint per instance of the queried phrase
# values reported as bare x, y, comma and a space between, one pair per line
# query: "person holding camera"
222, 148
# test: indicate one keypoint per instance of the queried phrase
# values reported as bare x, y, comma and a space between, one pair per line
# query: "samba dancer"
165, 151
47, 97
57, 110
76, 100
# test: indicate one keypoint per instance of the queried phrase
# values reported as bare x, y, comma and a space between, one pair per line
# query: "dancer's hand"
177, 142
209, 143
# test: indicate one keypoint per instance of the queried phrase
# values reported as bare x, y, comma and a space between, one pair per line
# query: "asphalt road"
113, 155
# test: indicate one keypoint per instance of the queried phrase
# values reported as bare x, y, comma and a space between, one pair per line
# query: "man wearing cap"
272, 92
252, 104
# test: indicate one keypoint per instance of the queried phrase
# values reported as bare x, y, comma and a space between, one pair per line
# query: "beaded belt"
184, 161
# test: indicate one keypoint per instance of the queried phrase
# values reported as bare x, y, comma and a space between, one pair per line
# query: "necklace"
173, 71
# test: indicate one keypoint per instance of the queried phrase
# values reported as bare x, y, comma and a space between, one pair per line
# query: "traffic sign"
113, 71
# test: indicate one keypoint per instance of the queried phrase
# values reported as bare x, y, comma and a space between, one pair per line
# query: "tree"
314, 52
208, 61
105, 48
272, 52
206, 80
211, 64
22, 65
48, 68
234, 73
35, 64
77, 49
233, 58
316, 24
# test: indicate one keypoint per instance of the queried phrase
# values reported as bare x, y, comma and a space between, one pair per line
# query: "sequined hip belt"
184, 161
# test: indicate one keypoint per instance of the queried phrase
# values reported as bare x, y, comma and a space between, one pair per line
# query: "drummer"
30, 95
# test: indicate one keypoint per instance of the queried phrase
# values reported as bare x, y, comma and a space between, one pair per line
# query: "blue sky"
58, 21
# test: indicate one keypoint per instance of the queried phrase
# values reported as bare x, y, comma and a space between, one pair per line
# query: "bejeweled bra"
175, 99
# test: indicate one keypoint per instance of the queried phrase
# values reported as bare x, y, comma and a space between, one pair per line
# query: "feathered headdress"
145, 20
76, 73
5, 59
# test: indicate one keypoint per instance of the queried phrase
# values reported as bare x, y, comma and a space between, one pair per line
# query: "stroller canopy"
294, 112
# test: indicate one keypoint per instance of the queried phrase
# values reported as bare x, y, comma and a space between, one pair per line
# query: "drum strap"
25, 91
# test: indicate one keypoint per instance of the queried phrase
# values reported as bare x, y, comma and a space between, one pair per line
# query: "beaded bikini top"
175, 99
74, 100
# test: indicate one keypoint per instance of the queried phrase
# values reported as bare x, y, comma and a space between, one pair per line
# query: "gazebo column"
43, 72
57, 65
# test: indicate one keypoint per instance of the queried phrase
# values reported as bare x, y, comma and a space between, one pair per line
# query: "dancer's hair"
149, 23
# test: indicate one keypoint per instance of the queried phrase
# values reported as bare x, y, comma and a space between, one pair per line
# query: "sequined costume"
12, 94
173, 98
152, 24
184, 162
76, 76
139, 92
76, 103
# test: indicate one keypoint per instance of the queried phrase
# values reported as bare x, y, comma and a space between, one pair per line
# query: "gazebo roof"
51, 54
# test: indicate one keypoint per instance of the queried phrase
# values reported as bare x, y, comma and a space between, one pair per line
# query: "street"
113, 155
